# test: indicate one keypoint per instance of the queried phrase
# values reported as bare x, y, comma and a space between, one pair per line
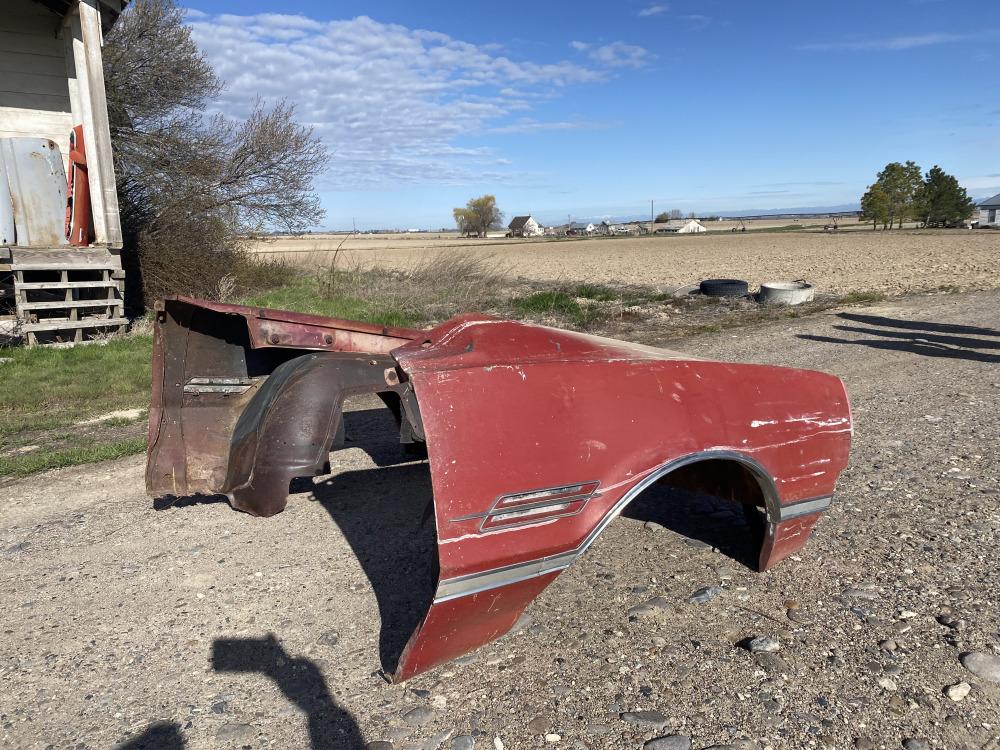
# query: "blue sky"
593, 109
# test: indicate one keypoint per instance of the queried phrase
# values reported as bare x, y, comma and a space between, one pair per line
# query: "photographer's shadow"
300, 680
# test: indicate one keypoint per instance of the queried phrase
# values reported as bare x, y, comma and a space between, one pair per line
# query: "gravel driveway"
190, 625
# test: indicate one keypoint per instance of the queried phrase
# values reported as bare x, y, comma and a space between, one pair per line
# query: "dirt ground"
894, 262
129, 623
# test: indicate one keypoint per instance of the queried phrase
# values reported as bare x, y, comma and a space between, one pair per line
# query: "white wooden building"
679, 226
989, 212
51, 81
524, 226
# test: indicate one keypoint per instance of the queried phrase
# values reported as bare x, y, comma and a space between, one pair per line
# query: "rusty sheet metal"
578, 427
37, 190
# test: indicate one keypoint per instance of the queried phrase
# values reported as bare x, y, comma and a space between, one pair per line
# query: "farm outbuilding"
680, 226
989, 212
524, 226
61, 275
580, 228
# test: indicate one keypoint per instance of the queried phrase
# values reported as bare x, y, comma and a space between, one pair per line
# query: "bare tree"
193, 187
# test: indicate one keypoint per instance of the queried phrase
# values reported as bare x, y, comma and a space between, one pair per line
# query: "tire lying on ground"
724, 288
786, 292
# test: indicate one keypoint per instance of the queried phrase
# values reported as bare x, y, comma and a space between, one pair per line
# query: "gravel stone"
417, 717
653, 719
705, 595
916, 744
463, 742
669, 742
986, 666
958, 691
379, 745
765, 644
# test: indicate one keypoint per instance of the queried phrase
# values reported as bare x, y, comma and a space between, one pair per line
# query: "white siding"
34, 94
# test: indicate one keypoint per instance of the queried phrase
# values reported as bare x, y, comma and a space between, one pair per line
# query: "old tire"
786, 292
724, 288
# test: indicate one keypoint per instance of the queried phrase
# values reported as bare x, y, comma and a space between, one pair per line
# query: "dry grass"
888, 262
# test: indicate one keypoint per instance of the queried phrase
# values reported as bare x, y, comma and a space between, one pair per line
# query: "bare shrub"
435, 287
193, 188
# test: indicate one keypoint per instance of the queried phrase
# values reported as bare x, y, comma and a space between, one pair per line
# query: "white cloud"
389, 101
530, 125
653, 10
897, 43
616, 54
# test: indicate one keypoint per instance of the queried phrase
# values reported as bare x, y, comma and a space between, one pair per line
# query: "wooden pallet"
57, 303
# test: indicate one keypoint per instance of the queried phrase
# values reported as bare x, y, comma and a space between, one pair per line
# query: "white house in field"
679, 226
524, 226
989, 212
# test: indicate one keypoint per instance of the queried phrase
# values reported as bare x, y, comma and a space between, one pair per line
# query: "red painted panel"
458, 626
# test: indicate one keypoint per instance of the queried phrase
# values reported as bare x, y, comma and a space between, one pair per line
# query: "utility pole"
651, 212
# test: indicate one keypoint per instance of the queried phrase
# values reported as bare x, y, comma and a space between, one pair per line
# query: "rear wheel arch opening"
680, 496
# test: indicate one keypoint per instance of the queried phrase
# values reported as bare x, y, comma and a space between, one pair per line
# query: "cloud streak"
653, 10
391, 102
896, 43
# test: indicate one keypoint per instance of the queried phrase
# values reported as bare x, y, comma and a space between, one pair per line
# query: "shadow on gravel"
386, 516
706, 519
162, 735
301, 681
917, 337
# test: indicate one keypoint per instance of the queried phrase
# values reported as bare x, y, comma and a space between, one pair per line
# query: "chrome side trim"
804, 507
475, 583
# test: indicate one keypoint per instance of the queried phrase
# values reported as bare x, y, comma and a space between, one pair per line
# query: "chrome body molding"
475, 583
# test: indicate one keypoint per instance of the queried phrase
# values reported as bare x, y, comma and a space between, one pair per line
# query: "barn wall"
34, 94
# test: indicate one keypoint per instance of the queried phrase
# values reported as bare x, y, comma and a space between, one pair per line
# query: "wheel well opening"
715, 501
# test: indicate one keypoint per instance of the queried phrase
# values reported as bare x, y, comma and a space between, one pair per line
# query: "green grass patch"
41, 460
547, 302
596, 292
318, 296
44, 388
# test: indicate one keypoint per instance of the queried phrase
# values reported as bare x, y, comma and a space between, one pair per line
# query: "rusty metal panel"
37, 184
537, 438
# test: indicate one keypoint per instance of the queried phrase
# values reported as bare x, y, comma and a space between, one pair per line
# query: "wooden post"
84, 26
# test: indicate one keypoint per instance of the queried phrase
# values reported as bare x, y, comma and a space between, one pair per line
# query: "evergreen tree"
942, 201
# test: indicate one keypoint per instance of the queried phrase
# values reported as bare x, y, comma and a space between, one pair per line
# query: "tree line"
902, 193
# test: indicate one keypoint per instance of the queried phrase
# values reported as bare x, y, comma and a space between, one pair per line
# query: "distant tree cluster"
478, 215
901, 193
671, 215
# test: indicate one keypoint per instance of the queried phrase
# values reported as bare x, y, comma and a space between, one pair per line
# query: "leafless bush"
435, 287
193, 188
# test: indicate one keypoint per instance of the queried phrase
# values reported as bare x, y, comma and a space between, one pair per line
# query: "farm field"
896, 262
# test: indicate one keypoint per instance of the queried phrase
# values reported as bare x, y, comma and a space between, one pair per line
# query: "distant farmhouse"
679, 226
524, 226
989, 212
578, 228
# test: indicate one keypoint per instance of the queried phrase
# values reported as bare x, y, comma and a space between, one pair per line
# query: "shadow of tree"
299, 679
918, 325
161, 735
948, 340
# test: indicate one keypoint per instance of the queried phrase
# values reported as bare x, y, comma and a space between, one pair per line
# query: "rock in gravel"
552, 737
765, 643
863, 743
670, 742
853, 593
916, 744
417, 717
982, 665
538, 725
653, 719
463, 742
379, 745
705, 595
721, 747
435, 742
958, 691
888, 684
232, 732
